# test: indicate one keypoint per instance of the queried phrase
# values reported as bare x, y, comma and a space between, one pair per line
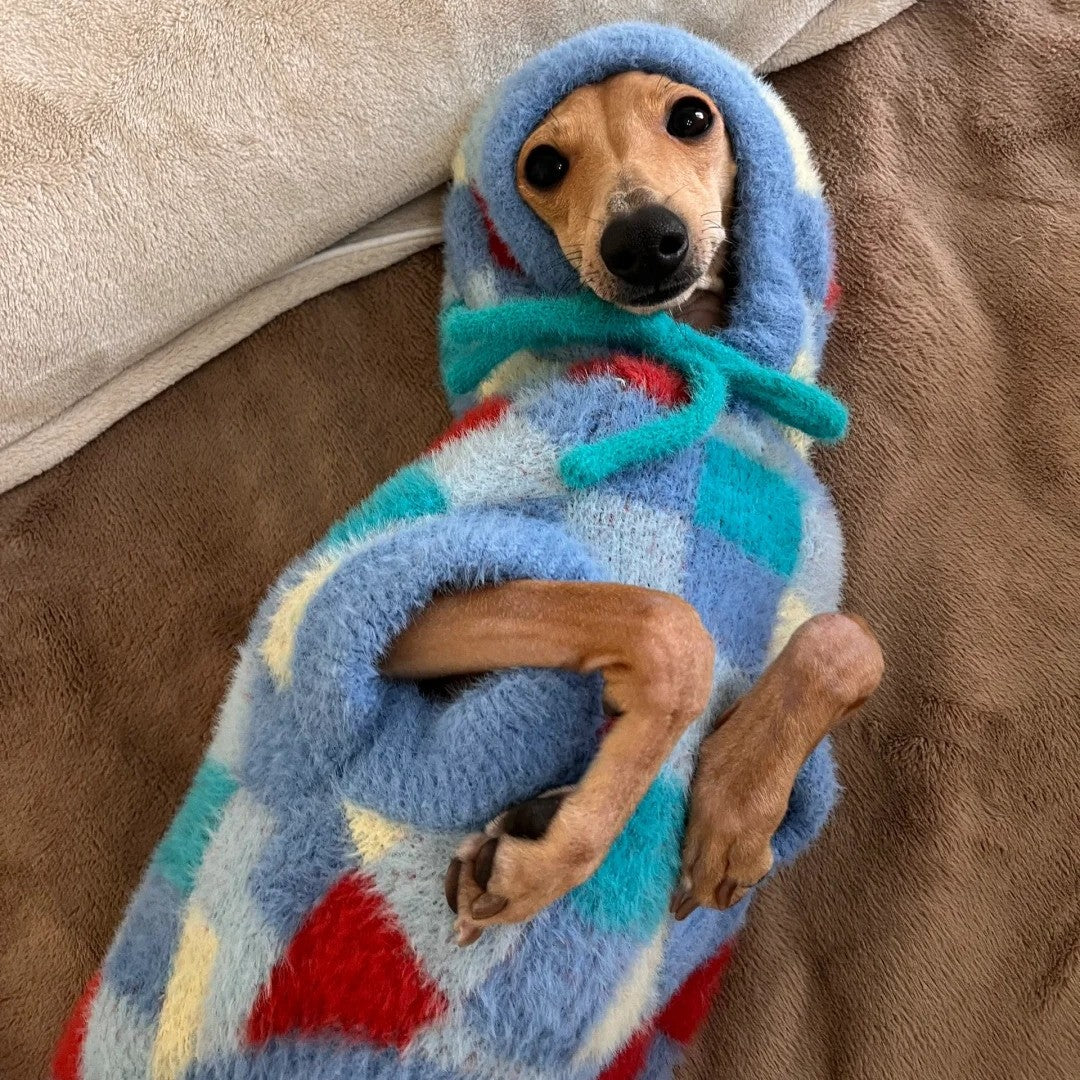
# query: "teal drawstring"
474, 341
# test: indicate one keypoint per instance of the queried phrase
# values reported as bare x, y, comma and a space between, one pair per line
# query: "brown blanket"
935, 931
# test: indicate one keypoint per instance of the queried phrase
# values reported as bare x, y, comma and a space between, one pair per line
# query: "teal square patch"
180, 853
412, 492
750, 505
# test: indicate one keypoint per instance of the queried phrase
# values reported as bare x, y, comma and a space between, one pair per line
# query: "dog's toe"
729, 892
723, 872
514, 868
530, 820
683, 904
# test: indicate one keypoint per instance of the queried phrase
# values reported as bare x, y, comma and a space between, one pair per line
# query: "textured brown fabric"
935, 931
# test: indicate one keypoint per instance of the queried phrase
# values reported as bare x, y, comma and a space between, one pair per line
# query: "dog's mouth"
669, 294
696, 273
634, 288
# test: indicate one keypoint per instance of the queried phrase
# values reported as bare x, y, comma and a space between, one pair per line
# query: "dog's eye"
689, 117
545, 167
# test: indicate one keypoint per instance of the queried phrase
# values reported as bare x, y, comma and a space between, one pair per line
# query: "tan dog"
635, 176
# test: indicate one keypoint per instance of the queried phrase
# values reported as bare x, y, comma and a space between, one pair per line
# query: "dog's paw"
517, 866
736, 805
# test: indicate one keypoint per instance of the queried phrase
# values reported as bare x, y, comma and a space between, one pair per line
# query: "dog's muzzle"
646, 248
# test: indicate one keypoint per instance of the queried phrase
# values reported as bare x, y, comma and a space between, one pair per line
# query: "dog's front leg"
656, 660
747, 766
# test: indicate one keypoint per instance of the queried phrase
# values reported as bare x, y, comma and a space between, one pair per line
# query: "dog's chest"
730, 524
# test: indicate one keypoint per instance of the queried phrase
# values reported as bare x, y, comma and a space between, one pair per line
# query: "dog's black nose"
645, 247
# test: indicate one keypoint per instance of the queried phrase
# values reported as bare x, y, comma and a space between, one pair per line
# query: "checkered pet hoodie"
291, 922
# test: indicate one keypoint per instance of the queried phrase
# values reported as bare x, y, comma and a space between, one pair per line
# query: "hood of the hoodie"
498, 249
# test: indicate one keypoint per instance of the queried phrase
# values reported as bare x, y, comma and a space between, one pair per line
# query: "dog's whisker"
668, 198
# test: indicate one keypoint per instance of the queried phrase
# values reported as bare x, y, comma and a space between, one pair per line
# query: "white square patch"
640, 545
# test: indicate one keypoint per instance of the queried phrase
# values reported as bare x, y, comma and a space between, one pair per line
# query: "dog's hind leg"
656, 660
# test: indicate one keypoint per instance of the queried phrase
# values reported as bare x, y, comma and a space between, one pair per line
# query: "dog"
635, 176
570, 670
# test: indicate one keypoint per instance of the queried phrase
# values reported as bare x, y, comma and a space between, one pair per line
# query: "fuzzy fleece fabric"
292, 919
930, 932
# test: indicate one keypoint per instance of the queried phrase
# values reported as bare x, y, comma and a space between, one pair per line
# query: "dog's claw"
730, 892
485, 863
451, 883
466, 935
683, 904
725, 891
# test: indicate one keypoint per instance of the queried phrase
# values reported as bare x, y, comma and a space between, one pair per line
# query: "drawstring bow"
474, 341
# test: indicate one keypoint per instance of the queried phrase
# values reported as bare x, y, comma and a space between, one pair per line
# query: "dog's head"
635, 176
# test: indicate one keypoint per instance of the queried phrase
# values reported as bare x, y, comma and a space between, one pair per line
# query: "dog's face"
635, 176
